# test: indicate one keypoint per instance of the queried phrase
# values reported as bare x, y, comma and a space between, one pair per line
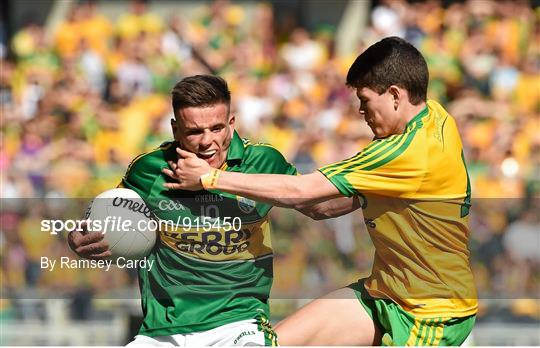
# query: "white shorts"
240, 333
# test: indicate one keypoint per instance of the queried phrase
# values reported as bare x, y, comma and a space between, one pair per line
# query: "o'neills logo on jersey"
208, 198
246, 205
137, 206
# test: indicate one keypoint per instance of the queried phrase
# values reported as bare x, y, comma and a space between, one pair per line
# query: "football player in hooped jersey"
415, 194
213, 265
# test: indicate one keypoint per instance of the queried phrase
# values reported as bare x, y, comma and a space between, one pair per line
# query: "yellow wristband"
210, 179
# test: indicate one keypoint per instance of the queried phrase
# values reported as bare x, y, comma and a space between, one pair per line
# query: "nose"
206, 139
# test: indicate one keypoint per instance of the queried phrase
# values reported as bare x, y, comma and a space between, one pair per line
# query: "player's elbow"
322, 214
315, 215
313, 211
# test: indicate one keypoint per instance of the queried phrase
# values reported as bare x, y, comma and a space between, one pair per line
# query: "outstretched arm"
289, 191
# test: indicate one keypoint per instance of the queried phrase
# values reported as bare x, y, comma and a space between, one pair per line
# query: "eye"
194, 132
217, 129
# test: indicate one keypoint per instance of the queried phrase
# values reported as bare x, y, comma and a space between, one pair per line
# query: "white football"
126, 221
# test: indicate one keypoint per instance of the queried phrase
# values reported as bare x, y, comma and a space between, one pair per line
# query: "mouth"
207, 155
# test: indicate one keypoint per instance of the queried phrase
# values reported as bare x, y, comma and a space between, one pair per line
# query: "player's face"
205, 131
379, 112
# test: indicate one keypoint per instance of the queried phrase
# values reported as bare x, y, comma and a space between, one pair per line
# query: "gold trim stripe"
387, 150
414, 332
439, 332
421, 333
364, 155
431, 335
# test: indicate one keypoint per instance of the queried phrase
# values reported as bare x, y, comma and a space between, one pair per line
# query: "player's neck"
410, 111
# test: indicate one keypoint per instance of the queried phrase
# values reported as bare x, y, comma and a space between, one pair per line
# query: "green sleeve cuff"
341, 184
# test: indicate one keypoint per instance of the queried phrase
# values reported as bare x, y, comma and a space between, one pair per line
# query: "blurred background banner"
84, 88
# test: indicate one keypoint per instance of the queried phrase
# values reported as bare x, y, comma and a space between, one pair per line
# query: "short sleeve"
385, 167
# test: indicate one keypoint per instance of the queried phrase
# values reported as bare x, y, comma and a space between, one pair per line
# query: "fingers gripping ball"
126, 222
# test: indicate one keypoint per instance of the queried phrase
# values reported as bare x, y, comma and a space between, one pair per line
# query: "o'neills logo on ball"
246, 205
137, 207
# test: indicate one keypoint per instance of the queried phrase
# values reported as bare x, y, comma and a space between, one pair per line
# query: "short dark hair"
200, 91
391, 61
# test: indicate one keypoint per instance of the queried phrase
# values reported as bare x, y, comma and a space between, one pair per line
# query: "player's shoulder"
254, 151
154, 159
266, 159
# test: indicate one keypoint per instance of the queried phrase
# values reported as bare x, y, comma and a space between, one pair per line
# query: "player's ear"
396, 94
232, 121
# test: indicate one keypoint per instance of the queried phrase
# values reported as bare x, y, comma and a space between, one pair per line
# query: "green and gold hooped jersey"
416, 194
213, 262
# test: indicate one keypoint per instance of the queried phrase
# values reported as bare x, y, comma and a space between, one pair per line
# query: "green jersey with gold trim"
213, 260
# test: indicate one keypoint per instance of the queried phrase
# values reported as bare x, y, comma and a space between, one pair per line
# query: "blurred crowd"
81, 100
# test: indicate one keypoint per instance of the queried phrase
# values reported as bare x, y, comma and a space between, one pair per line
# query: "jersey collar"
236, 149
418, 117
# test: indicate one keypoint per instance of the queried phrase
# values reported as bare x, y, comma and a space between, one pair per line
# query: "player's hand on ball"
186, 171
88, 245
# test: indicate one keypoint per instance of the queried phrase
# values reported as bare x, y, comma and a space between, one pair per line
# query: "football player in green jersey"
416, 196
213, 264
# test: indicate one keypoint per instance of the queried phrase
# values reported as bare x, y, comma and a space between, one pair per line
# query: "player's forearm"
279, 190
